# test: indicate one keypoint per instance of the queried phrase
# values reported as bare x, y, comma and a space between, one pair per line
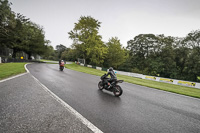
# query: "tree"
144, 49
24, 35
192, 66
20, 34
49, 52
17, 35
87, 42
116, 54
168, 67
126, 66
69, 55
7, 22
59, 49
181, 57
33, 39
152, 55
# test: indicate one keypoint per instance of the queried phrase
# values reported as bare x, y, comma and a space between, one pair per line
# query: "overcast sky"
124, 19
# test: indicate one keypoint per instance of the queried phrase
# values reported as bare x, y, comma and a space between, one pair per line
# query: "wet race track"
139, 109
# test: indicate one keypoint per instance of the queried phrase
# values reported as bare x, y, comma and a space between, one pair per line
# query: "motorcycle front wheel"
117, 91
100, 85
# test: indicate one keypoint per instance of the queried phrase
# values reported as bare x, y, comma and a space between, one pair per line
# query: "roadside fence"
154, 78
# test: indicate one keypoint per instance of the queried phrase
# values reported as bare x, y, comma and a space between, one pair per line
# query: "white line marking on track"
26, 68
13, 77
69, 108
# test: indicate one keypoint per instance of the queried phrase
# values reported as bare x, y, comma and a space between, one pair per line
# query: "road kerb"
68, 107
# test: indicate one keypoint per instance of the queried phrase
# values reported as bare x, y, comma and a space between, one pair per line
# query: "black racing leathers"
112, 74
112, 79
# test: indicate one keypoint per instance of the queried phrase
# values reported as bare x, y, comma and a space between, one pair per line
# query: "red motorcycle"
62, 65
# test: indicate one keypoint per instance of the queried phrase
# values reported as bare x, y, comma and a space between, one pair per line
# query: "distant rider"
61, 62
112, 79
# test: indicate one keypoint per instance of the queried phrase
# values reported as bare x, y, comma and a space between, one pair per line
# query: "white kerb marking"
27, 71
69, 108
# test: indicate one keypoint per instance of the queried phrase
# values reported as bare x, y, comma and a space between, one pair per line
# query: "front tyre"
100, 85
117, 91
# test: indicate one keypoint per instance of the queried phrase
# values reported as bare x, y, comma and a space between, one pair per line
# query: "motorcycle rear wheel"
117, 91
61, 68
100, 85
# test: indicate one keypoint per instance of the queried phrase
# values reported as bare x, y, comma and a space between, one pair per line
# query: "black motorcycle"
112, 87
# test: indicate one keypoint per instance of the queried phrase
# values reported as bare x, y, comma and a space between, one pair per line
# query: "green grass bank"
188, 91
11, 69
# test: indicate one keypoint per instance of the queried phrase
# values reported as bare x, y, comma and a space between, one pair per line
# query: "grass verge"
11, 69
50, 63
188, 91
43, 60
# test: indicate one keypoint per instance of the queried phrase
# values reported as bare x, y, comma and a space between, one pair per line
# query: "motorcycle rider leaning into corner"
112, 79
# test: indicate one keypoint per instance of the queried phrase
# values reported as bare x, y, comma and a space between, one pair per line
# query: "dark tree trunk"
29, 56
14, 53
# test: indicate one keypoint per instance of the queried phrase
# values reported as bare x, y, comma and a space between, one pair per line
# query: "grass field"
11, 69
193, 92
48, 60
45, 60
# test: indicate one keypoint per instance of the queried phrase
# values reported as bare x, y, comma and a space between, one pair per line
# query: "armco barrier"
166, 80
197, 85
186, 83
150, 78
89, 66
173, 81
154, 78
98, 68
137, 75
160, 79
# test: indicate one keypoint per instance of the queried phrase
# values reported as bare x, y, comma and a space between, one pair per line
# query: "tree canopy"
87, 41
20, 34
149, 54
168, 57
116, 54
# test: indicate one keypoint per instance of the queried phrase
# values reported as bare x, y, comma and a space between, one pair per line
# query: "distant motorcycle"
62, 64
114, 87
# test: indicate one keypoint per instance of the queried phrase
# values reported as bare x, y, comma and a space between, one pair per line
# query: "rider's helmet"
110, 69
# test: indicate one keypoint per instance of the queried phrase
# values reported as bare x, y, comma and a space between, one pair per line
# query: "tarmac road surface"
139, 109
25, 106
